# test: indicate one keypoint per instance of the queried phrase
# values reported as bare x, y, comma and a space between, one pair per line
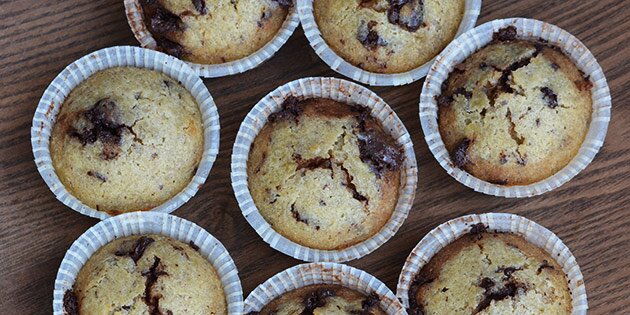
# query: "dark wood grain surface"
39, 38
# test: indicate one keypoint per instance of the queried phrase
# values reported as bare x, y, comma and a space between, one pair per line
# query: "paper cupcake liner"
138, 223
473, 40
536, 234
322, 273
338, 64
121, 56
135, 18
344, 92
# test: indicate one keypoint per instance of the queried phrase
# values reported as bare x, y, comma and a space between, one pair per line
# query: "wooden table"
39, 38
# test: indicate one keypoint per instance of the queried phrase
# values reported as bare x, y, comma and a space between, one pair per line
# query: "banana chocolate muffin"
323, 299
212, 32
515, 112
324, 174
388, 36
490, 273
127, 139
148, 274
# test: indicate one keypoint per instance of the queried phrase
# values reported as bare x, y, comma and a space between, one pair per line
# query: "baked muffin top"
515, 112
148, 274
490, 273
212, 32
323, 299
324, 174
127, 139
388, 36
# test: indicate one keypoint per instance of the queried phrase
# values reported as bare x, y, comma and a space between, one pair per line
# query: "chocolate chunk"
380, 155
508, 271
100, 123
369, 37
316, 299
296, 215
138, 249
291, 109
193, 245
170, 47
200, 6
164, 21
164, 26
368, 304
478, 229
505, 34
460, 157
443, 100
464, 92
407, 14
550, 98
492, 293
444, 289
545, 264
311, 164
284, 3
150, 299
70, 303
97, 175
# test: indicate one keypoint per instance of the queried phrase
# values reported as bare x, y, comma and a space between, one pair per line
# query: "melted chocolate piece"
505, 34
311, 164
316, 299
545, 264
97, 175
352, 187
373, 300
70, 303
550, 97
491, 292
369, 37
296, 215
193, 245
101, 123
478, 229
464, 92
138, 249
164, 21
380, 155
165, 25
508, 271
170, 47
291, 109
200, 6
150, 299
284, 3
408, 14
460, 157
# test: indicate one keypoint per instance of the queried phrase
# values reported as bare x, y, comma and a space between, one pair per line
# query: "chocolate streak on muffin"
549, 97
193, 245
164, 26
70, 303
460, 156
408, 14
316, 299
477, 230
368, 304
493, 292
100, 123
382, 156
545, 264
291, 109
150, 299
369, 37
200, 6
138, 249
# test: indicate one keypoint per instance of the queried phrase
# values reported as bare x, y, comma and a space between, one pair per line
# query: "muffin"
388, 36
323, 299
515, 112
149, 274
324, 174
490, 273
127, 139
213, 32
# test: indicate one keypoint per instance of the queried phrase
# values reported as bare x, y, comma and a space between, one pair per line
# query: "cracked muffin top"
149, 274
323, 299
212, 32
324, 174
515, 112
127, 139
388, 36
490, 273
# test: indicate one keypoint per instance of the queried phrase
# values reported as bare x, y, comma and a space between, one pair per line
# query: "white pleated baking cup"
344, 92
322, 273
534, 233
473, 40
135, 18
340, 65
142, 223
121, 56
